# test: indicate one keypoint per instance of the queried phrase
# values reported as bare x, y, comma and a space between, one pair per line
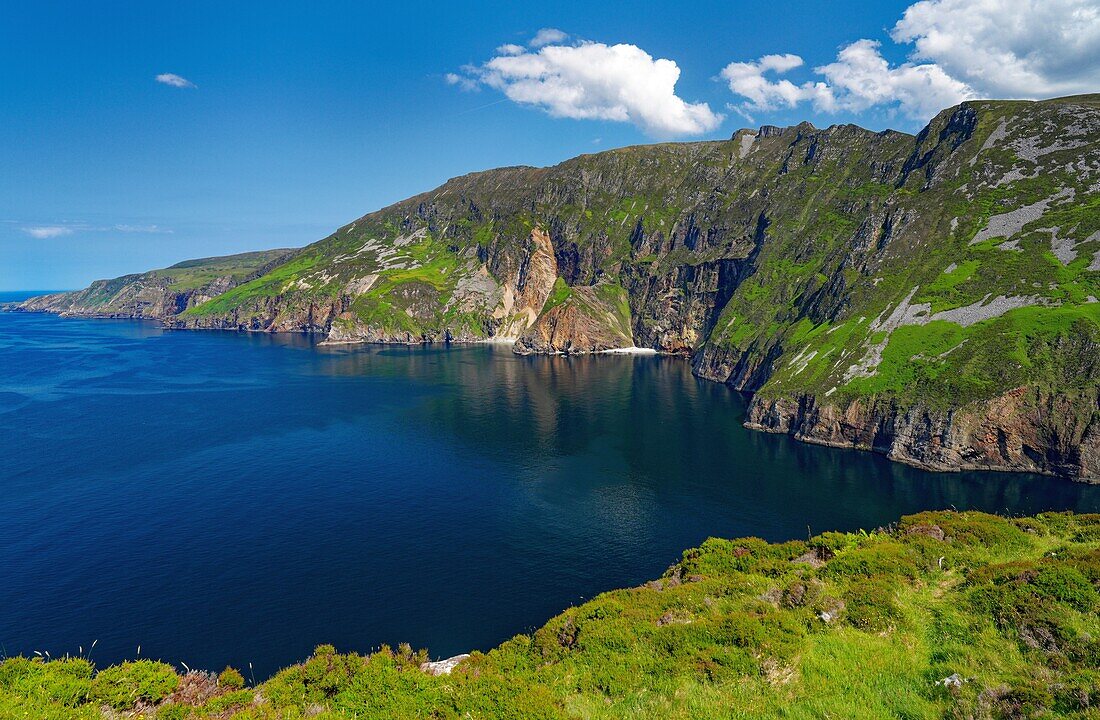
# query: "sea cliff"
930, 297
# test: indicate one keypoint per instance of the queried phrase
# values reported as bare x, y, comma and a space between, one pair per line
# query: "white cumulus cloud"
1009, 48
45, 232
859, 78
591, 80
174, 80
750, 80
960, 49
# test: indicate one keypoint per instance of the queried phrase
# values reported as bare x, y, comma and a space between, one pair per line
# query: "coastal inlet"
228, 498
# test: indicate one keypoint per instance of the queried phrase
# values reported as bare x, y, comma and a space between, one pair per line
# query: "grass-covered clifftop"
164, 293
935, 297
843, 625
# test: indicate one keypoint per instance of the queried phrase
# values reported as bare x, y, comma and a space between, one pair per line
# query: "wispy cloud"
546, 36
175, 80
145, 229
45, 232
462, 81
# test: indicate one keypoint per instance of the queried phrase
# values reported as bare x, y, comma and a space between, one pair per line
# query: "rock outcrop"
583, 319
1024, 429
443, 667
933, 297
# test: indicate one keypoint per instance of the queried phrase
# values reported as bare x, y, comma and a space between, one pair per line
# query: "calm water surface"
223, 498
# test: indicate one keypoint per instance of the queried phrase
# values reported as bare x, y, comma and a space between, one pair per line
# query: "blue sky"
303, 116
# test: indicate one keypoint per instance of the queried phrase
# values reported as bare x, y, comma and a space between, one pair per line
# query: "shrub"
554, 639
800, 593
1027, 600
1065, 584
67, 681
971, 528
236, 698
318, 679
997, 589
770, 632
1087, 561
13, 670
124, 686
1088, 528
231, 679
725, 557
1079, 691
837, 541
1028, 699
1078, 527
881, 558
870, 603
722, 664
173, 711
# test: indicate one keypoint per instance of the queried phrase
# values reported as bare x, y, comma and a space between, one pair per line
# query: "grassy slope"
829, 230
941, 362
118, 294
733, 630
820, 277
192, 274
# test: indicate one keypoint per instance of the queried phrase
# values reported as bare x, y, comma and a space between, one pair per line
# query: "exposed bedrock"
935, 297
1026, 429
584, 320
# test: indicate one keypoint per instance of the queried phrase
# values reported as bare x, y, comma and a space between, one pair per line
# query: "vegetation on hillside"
940, 293
959, 615
191, 274
819, 234
161, 293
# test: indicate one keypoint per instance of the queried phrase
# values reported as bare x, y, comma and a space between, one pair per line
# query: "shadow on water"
232, 498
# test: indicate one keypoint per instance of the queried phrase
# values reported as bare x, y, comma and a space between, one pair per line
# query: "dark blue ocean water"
224, 498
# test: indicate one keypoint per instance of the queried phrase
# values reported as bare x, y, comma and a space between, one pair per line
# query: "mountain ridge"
930, 297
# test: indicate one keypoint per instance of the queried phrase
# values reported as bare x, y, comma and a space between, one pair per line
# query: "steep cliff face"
931, 297
1025, 429
525, 295
160, 294
578, 320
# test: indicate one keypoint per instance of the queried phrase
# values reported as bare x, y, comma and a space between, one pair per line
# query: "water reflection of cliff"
643, 429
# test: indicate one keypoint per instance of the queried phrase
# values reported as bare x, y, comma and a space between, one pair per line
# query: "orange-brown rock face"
589, 320
526, 293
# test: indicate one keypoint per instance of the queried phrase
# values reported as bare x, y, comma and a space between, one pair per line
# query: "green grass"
807, 240
735, 629
192, 274
559, 294
616, 298
270, 285
1033, 346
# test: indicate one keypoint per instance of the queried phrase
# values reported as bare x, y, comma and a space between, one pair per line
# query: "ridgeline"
932, 298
